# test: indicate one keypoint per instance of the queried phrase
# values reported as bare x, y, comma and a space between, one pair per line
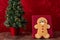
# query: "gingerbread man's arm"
48, 26
35, 26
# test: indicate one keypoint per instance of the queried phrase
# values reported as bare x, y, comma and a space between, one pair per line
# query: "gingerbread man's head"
42, 21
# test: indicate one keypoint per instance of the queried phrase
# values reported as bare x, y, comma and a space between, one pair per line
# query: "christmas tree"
14, 14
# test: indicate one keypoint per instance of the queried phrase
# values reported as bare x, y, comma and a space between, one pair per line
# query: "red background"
34, 7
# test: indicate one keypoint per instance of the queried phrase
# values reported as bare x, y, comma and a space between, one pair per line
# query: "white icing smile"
42, 23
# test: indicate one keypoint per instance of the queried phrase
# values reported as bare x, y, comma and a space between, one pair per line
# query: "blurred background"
34, 7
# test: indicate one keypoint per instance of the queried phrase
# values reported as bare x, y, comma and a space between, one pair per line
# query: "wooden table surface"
7, 36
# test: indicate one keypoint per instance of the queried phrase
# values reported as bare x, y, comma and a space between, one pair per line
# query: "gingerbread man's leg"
38, 35
46, 35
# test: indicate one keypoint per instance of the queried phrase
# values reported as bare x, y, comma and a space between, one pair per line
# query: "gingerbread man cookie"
42, 27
